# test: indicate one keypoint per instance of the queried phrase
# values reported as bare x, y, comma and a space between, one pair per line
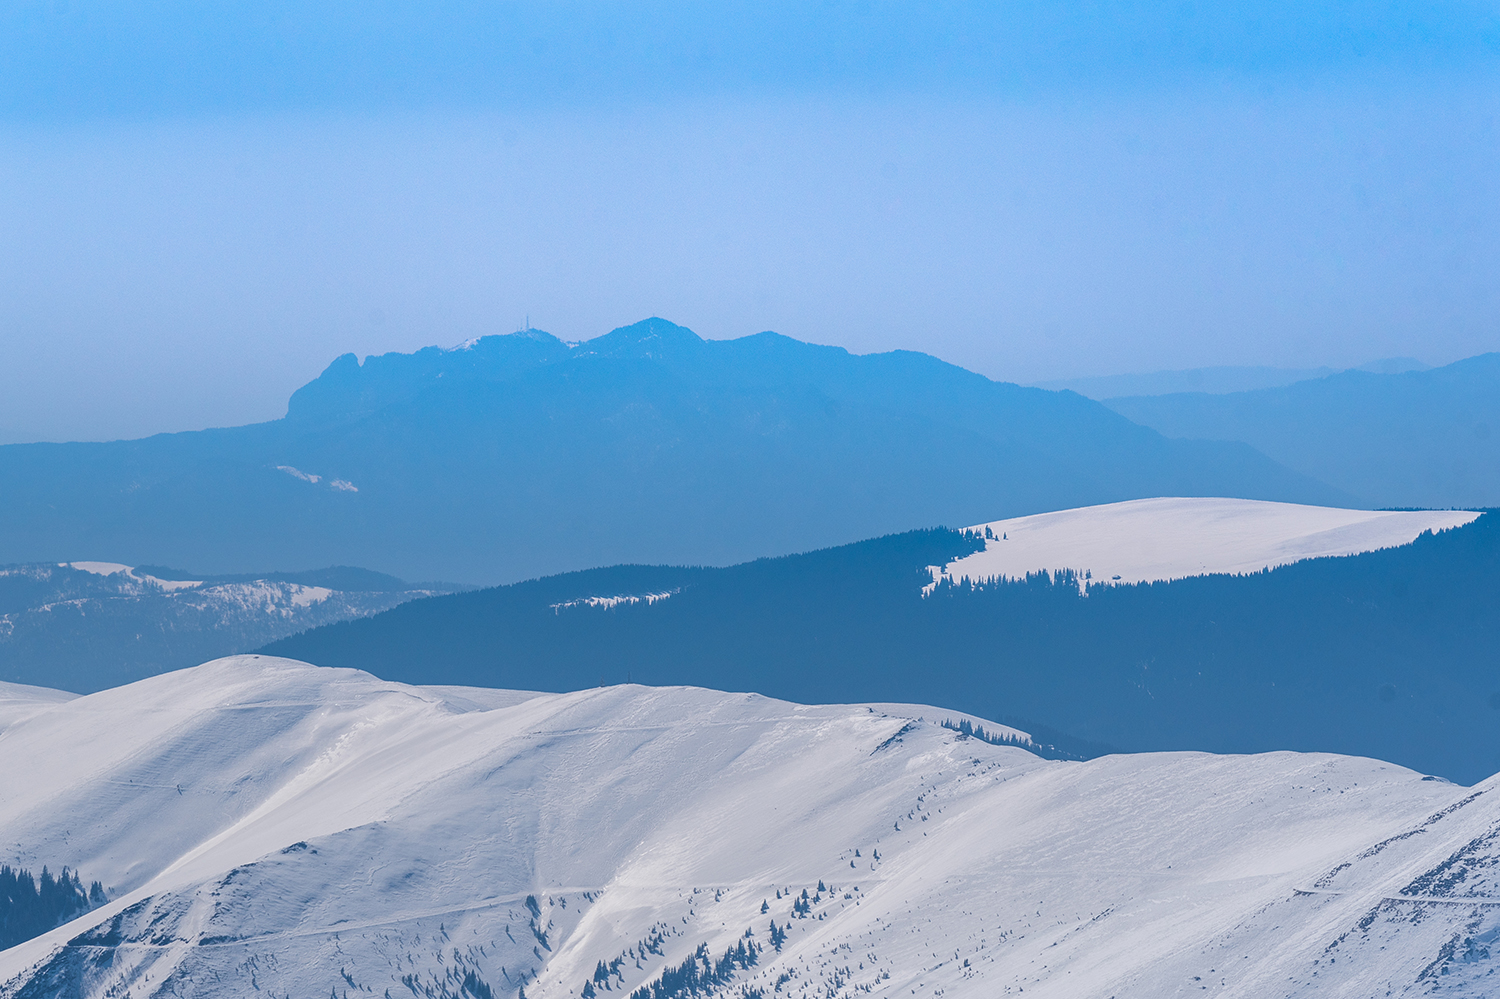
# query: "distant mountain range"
515, 456
1238, 378
84, 626
1419, 438
263, 827
1389, 653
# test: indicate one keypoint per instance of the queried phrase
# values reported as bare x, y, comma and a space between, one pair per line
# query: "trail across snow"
1171, 538
270, 827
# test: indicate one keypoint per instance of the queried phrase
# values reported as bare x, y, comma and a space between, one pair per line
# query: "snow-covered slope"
20, 700
1171, 538
267, 827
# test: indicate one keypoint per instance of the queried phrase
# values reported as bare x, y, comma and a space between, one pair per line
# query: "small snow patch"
341, 485
297, 473
173, 585
608, 602
306, 596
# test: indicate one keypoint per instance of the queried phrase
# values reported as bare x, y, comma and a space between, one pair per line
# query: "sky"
204, 204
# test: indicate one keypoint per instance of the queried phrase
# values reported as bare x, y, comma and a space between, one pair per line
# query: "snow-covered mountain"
267, 827
1386, 653
1153, 540
88, 625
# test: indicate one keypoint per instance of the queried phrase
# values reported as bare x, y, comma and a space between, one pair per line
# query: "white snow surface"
116, 568
19, 701
99, 568
269, 827
257, 597
1153, 540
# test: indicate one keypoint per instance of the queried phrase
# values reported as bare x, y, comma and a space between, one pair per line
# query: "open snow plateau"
273, 828
1154, 540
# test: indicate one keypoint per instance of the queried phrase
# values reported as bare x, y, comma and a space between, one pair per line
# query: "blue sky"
207, 202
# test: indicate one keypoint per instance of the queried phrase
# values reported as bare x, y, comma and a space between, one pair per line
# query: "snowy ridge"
88, 625
226, 604
256, 596
271, 827
1153, 540
128, 572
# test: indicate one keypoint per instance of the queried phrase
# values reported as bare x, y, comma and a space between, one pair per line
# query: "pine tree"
30, 906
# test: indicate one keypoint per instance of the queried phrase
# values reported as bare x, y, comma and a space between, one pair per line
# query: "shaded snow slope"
273, 828
1172, 538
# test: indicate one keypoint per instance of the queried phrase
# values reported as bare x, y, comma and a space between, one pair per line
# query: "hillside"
1389, 653
1419, 438
84, 626
517, 456
264, 827
1157, 540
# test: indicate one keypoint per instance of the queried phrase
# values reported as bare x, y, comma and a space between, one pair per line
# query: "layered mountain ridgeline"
84, 626
1390, 654
1418, 438
520, 455
32, 905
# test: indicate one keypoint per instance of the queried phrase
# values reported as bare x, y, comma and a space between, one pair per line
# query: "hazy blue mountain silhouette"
521, 455
1216, 381
1419, 438
1389, 654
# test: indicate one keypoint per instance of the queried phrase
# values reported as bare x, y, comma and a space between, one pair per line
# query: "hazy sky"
203, 204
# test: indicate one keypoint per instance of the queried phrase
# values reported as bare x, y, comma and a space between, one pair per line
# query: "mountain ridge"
520, 455
295, 830
90, 625
1384, 653
1418, 438
1214, 380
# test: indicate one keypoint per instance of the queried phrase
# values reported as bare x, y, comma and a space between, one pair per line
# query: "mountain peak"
648, 338
502, 341
347, 388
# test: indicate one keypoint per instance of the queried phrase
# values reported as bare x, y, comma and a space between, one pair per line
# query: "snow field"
268, 825
1154, 540
20, 700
